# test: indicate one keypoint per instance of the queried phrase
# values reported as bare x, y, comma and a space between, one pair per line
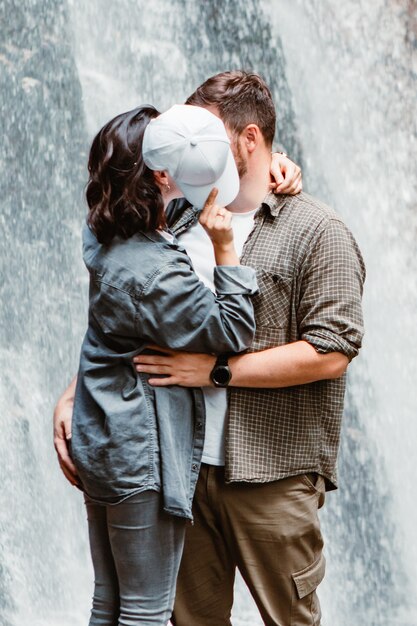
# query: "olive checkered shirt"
310, 274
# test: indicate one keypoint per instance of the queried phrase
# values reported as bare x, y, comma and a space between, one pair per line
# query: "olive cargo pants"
271, 532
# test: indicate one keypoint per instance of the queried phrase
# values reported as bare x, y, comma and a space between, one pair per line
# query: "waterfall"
351, 69
42, 311
342, 75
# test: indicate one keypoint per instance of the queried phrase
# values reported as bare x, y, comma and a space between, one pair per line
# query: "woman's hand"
217, 222
286, 175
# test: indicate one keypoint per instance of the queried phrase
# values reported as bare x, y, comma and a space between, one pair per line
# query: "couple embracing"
207, 409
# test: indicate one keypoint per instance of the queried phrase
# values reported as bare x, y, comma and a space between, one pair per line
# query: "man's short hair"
241, 98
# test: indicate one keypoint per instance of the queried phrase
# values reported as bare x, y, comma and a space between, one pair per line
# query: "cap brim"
228, 185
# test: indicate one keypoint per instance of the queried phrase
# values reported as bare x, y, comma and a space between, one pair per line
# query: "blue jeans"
136, 550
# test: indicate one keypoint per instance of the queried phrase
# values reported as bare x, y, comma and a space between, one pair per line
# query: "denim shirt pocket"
112, 307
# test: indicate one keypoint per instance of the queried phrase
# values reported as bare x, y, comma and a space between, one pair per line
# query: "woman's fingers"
223, 220
296, 186
208, 206
212, 214
217, 220
292, 178
290, 188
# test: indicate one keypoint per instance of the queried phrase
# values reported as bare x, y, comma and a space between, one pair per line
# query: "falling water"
351, 68
343, 76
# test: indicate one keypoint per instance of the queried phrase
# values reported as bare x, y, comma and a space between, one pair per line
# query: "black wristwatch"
221, 375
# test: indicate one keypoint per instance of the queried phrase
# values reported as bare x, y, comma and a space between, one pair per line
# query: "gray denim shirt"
128, 436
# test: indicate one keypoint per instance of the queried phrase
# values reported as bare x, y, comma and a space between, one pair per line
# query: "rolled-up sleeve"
176, 310
229, 280
329, 314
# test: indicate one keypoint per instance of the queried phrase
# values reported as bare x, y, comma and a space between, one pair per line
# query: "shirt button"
194, 467
199, 425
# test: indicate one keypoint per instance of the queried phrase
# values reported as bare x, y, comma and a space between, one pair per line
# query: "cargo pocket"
306, 608
309, 578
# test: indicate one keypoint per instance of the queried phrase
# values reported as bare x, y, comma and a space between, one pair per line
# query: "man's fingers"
61, 447
153, 369
152, 346
72, 478
151, 359
65, 462
163, 382
69, 465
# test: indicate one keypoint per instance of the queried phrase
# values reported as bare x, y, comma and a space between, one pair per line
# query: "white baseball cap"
192, 145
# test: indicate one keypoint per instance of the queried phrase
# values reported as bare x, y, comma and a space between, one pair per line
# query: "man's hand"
296, 363
62, 433
286, 174
178, 368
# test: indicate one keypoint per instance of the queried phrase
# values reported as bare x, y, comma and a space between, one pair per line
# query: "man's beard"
241, 164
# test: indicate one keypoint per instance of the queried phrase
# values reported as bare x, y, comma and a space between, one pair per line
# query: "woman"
137, 450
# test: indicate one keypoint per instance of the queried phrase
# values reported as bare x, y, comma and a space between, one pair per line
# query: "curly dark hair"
122, 194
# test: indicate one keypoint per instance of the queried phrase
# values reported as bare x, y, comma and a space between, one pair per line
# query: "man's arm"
295, 363
292, 364
62, 432
329, 320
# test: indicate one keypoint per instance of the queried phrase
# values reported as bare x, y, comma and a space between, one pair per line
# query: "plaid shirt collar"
272, 202
184, 220
275, 203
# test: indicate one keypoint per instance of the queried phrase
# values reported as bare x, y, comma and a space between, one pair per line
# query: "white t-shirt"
200, 250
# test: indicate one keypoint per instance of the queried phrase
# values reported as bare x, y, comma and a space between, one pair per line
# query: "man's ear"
251, 136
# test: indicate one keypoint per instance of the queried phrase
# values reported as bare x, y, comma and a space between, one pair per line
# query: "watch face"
221, 375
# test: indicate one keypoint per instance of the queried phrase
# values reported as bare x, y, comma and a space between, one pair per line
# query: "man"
271, 443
